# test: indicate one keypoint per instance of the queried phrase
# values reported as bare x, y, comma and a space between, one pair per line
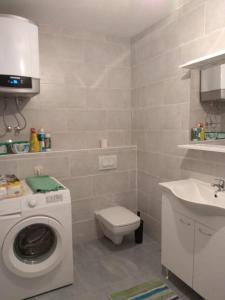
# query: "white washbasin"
196, 192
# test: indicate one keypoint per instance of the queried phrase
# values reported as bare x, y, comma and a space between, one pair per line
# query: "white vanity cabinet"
193, 247
209, 263
177, 243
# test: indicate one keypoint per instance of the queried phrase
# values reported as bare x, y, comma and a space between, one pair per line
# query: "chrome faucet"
220, 185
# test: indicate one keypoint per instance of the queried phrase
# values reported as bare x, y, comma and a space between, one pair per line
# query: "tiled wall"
85, 96
161, 99
90, 188
85, 90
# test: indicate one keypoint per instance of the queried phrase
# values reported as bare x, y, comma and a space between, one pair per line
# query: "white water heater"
19, 57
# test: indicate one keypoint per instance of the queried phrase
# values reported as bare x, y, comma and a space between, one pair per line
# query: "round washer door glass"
35, 243
34, 247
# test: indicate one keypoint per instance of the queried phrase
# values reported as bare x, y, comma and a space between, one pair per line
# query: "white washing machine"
36, 244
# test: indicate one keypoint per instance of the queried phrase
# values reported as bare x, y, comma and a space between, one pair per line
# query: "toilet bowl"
116, 222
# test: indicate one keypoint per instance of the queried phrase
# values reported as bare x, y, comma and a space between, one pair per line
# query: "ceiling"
122, 18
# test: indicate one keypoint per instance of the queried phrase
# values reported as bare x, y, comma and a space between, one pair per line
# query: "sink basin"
196, 192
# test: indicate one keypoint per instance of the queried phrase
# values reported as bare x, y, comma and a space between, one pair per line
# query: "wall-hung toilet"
116, 222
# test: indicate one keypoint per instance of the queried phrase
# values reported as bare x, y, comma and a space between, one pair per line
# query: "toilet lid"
118, 216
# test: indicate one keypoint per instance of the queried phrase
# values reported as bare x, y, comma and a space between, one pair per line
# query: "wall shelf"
205, 61
204, 147
62, 152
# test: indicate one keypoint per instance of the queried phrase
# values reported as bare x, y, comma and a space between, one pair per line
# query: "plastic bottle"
41, 138
48, 142
194, 134
202, 133
34, 143
198, 131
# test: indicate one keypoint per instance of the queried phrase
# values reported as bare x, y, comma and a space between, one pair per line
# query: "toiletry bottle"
199, 131
194, 134
48, 142
202, 132
34, 143
41, 138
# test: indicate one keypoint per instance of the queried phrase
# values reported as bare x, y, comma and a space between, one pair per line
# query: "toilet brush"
139, 231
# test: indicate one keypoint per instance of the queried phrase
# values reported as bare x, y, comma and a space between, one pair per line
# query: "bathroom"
111, 86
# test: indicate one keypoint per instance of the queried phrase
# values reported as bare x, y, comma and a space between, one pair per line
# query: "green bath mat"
43, 184
153, 290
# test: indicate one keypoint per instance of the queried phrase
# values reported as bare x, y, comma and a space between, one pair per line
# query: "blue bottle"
41, 138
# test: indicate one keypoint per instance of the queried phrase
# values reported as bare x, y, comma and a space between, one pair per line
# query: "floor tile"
102, 268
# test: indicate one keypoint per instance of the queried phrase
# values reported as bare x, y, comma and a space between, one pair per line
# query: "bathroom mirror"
210, 112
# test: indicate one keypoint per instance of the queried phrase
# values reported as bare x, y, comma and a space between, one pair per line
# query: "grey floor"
102, 268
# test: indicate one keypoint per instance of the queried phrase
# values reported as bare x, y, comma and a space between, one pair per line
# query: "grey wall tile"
214, 15
83, 76
86, 120
80, 187
83, 163
119, 120
9, 167
115, 182
53, 166
191, 24
165, 101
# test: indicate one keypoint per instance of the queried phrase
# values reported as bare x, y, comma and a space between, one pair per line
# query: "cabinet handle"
204, 233
185, 223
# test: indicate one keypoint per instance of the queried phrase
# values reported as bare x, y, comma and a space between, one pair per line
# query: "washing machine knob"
32, 202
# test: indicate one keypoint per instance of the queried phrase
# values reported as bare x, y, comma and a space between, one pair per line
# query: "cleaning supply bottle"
194, 134
48, 142
34, 143
198, 131
202, 132
41, 138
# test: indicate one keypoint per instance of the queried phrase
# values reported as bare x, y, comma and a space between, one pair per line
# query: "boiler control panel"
13, 81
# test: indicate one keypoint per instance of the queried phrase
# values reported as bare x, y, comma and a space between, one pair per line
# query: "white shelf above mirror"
205, 61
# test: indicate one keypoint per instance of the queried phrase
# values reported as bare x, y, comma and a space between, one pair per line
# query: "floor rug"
152, 290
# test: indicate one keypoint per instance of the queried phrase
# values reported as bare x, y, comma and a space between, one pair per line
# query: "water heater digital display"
14, 82
21, 82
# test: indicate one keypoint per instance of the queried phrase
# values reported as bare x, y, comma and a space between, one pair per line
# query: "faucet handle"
220, 180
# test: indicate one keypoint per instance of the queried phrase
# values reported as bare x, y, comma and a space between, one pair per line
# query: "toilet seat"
118, 219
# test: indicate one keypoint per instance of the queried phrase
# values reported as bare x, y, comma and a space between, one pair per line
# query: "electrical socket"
38, 170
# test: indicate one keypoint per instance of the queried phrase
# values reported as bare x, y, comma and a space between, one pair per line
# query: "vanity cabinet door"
177, 243
209, 263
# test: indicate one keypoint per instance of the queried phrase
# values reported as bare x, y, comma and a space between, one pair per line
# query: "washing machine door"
34, 247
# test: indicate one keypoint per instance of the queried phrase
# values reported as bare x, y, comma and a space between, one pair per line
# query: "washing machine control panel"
54, 198
41, 200
38, 201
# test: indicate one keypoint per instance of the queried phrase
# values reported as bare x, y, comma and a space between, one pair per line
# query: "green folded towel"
43, 184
